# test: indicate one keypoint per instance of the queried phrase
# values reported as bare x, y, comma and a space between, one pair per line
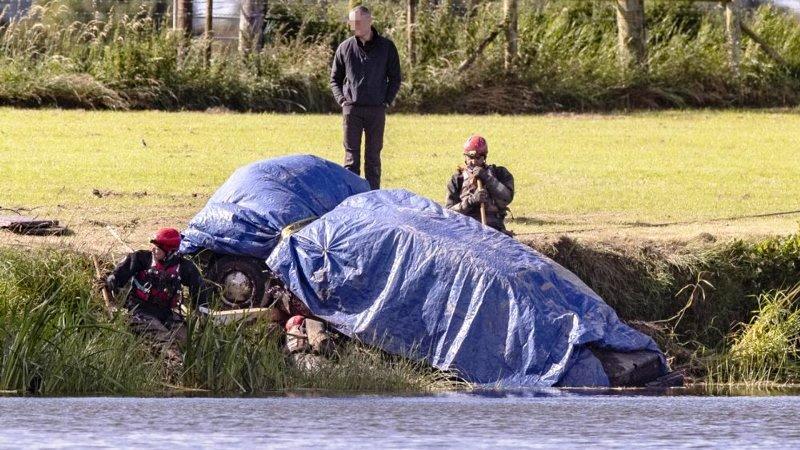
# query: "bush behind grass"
567, 61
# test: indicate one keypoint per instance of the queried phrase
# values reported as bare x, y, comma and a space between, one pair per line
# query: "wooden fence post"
209, 30
510, 13
632, 33
733, 29
251, 20
411, 32
183, 16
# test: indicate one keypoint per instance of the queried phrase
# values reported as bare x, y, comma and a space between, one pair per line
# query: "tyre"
241, 281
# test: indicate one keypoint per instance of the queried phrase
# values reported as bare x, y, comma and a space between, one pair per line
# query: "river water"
543, 419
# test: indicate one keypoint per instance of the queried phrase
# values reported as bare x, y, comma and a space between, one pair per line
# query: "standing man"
365, 78
477, 183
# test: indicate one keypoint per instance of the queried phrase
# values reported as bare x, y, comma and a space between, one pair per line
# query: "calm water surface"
550, 419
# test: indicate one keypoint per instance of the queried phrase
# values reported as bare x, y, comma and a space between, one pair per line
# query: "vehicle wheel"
241, 281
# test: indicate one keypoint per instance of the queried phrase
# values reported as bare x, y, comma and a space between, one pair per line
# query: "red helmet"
476, 147
167, 239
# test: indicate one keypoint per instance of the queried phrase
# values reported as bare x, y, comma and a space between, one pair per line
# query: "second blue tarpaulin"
400, 272
246, 214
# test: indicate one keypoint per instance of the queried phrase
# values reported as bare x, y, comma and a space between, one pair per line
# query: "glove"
476, 198
479, 173
98, 284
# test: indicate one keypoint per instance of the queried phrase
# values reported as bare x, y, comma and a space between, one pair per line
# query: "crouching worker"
157, 277
304, 332
476, 183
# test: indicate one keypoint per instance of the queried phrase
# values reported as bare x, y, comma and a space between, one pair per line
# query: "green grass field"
576, 171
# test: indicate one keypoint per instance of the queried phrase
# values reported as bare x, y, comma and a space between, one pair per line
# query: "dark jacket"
365, 74
142, 260
499, 185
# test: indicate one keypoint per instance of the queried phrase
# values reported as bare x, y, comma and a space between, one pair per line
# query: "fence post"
510, 8
183, 16
632, 33
251, 20
411, 32
733, 29
207, 35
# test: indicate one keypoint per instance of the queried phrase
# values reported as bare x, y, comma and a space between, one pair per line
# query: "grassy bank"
140, 170
567, 60
728, 313
732, 324
56, 340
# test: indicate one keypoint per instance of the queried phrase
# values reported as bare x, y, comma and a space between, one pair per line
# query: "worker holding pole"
479, 190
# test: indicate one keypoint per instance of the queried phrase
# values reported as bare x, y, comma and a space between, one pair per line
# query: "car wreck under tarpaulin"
246, 215
398, 271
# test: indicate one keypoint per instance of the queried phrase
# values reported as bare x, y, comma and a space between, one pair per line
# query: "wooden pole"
411, 21
632, 33
764, 46
104, 290
483, 205
478, 51
733, 29
251, 19
510, 13
208, 29
183, 16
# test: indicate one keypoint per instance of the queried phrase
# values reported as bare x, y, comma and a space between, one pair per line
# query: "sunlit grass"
649, 167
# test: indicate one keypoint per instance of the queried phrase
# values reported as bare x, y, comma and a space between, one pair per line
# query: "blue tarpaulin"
247, 213
400, 272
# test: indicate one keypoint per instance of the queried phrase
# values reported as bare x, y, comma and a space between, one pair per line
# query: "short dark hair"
362, 9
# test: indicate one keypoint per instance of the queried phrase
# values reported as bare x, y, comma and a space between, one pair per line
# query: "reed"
57, 340
765, 350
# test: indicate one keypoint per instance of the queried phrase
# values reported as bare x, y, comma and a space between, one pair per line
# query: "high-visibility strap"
293, 227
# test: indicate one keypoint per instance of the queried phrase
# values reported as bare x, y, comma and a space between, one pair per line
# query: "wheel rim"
237, 289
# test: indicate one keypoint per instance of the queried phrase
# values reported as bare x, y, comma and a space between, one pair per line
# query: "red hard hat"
168, 239
476, 146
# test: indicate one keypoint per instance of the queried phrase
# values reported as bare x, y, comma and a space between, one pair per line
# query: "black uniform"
156, 287
499, 185
365, 79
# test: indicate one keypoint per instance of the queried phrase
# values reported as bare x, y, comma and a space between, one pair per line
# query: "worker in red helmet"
476, 183
157, 278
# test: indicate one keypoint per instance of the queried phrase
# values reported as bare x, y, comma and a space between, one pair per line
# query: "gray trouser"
370, 121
